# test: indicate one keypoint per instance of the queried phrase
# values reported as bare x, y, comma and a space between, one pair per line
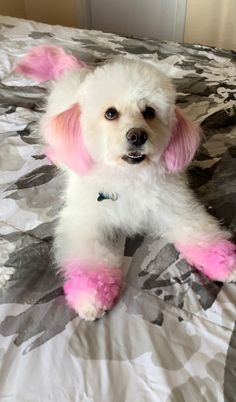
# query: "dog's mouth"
134, 157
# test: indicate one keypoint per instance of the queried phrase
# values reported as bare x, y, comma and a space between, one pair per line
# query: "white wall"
163, 19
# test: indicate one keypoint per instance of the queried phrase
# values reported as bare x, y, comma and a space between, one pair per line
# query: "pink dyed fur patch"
63, 132
185, 139
216, 260
50, 153
47, 62
103, 283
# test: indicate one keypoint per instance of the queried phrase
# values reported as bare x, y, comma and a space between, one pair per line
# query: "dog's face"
126, 112
122, 113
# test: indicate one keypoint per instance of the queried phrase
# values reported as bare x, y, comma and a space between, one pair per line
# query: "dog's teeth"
134, 156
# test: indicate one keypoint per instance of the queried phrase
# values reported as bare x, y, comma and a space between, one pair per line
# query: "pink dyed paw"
92, 293
216, 260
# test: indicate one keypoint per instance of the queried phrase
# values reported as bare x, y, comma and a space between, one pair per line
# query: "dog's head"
120, 113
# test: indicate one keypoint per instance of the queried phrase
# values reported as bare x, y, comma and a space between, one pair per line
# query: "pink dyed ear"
183, 144
63, 133
47, 63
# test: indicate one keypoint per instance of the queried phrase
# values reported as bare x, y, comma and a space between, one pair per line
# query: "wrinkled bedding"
172, 335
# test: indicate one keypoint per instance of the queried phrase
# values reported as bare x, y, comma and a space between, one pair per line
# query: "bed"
171, 337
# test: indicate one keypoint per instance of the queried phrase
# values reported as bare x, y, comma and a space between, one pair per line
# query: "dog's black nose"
136, 136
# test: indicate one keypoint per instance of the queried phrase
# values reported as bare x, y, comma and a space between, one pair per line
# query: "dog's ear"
185, 139
64, 135
47, 62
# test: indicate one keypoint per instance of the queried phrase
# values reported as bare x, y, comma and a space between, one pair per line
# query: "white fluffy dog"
124, 145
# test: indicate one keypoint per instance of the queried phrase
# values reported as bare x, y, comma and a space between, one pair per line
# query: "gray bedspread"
172, 336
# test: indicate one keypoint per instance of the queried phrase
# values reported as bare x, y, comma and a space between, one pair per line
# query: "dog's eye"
149, 113
111, 114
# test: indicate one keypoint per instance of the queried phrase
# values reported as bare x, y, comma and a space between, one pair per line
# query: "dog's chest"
128, 205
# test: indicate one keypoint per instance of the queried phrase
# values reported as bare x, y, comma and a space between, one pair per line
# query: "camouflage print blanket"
172, 335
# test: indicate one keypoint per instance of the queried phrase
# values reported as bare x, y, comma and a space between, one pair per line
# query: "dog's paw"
92, 293
88, 307
216, 260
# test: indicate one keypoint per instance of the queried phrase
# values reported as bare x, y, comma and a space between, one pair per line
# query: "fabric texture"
171, 337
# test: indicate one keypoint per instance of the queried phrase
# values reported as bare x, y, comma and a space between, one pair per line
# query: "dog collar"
106, 196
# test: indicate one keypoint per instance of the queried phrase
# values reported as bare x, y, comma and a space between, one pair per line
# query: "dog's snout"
136, 136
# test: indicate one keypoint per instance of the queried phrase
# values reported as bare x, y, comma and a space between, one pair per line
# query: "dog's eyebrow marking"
107, 196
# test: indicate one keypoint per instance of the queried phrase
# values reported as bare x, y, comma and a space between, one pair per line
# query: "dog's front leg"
196, 234
90, 262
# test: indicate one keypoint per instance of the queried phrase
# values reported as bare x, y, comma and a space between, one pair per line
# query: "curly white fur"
151, 198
